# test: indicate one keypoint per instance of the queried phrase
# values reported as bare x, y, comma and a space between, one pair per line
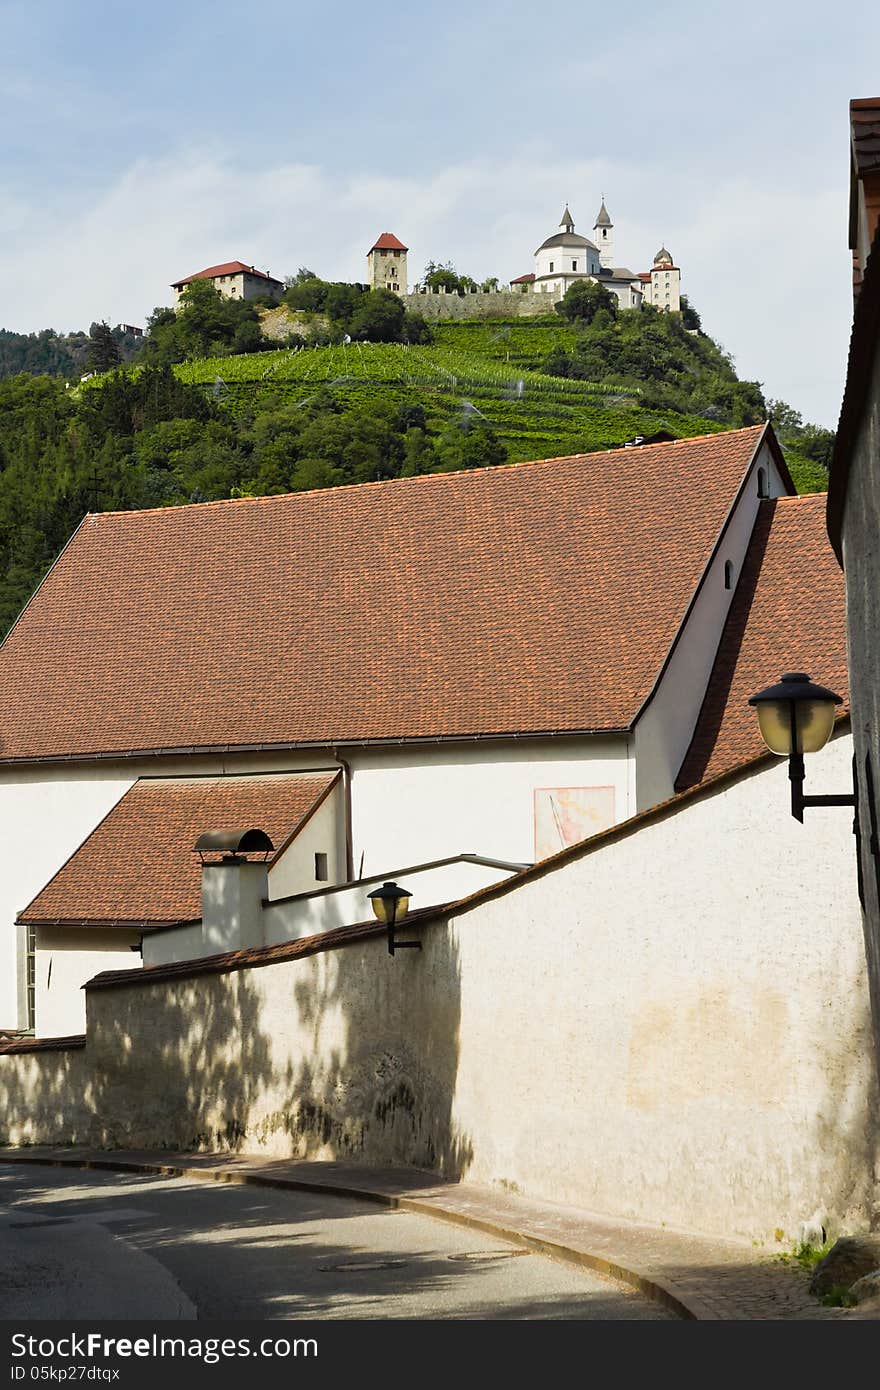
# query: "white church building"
566, 257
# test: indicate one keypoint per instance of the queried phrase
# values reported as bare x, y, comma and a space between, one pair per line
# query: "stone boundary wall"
670, 1023
434, 305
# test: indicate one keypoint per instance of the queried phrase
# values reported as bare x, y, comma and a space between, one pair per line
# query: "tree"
470, 442
689, 316
302, 274
309, 294
583, 299
104, 352
340, 303
416, 329
378, 317
446, 277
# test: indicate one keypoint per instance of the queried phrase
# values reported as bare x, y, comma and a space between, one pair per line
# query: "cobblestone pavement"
697, 1276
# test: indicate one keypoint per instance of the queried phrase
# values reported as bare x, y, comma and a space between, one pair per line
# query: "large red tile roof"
227, 268
388, 242
138, 869
788, 614
532, 597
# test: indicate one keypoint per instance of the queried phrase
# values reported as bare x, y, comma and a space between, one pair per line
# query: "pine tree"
104, 351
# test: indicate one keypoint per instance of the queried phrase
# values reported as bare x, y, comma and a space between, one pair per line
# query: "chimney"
233, 888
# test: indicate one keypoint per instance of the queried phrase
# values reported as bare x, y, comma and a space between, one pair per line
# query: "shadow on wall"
846, 1124
345, 1054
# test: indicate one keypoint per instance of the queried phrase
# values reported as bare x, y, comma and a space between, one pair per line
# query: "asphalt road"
79, 1244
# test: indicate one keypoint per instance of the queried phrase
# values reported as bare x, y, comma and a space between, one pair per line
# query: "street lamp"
391, 904
797, 717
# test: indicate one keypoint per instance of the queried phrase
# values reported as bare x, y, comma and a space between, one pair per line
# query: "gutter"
346, 801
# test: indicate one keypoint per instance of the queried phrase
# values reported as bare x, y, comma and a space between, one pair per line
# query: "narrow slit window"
762, 482
321, 873
728, 574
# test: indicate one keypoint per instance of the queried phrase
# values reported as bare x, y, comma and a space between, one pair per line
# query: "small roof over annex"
138, 870
788, 614
526, 598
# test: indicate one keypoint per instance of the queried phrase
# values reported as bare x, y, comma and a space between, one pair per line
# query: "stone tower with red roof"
386, 264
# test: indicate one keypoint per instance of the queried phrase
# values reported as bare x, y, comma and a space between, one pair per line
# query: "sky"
145, 142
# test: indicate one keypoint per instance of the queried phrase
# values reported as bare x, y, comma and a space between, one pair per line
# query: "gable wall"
664, 731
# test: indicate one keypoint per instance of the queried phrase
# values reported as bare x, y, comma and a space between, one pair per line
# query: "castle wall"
499, 304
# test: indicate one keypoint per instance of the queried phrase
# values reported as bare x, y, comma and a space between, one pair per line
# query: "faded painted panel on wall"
566, 815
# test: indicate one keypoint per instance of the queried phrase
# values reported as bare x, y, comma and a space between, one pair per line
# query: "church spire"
567, 221
602, 218
603, 233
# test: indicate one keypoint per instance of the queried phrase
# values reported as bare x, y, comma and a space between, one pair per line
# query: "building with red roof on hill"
233, 279
386, 264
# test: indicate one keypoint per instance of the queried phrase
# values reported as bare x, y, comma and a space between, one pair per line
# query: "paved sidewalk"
696, 1276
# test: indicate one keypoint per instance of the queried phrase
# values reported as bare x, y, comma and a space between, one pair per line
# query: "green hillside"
198, 419
533, 415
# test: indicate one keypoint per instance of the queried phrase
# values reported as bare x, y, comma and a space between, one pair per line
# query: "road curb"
658, 1287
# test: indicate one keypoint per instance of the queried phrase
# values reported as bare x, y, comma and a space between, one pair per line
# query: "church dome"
663, 257
566, 239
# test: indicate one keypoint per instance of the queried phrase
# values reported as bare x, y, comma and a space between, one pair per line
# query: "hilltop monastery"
559, 261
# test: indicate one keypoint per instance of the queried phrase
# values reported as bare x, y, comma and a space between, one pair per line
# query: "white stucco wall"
663, 732
323, 833
45, 814
673, 1026
307, 915
433, 801
288, 921
65, 959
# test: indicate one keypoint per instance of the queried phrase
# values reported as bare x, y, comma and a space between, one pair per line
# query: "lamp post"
391, 904
797, 717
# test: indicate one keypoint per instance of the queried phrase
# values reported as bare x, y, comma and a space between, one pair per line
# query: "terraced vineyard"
534, 415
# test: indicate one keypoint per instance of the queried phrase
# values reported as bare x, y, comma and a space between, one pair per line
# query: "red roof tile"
531, 597
388, 242
137, 868
228, 268
788, 614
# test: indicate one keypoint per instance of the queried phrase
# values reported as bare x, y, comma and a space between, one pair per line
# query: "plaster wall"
44, 816
298, 917
323, 833
663, 732
861, 558
432, 802
681, 1034
65, 958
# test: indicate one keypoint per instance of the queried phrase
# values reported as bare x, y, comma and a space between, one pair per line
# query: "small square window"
321, 872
